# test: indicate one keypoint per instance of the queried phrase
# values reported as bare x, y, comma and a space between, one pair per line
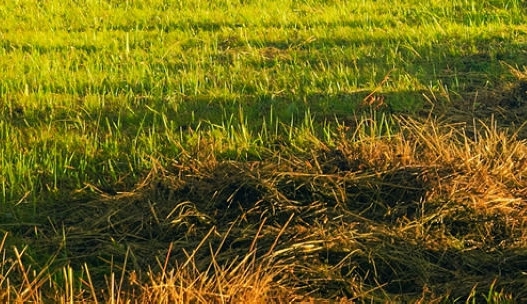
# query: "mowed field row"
263, 151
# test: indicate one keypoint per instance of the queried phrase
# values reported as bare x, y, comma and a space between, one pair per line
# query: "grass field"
263, 151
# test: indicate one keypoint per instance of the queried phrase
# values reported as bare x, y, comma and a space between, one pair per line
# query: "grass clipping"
425, 213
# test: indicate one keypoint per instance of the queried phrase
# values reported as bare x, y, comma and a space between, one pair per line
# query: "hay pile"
424, 213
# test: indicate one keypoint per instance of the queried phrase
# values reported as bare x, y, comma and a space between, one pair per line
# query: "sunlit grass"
97, 97
104, 75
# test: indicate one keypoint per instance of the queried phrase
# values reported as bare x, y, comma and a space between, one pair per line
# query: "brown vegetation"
425, 213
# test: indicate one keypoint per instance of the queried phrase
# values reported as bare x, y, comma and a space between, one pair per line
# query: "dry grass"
433, 212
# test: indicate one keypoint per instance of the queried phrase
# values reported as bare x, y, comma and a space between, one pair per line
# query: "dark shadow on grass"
346, 221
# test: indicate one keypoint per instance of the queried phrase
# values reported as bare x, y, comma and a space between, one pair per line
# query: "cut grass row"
103, 100
428, 213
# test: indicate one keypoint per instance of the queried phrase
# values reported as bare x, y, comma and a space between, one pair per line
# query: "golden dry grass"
428, 212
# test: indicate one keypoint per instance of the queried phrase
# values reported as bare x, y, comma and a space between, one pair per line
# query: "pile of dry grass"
426, 213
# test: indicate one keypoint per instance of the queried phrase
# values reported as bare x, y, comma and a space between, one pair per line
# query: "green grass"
95, 95
102, 74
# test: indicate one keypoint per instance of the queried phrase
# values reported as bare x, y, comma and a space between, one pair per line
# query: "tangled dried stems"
431, 212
